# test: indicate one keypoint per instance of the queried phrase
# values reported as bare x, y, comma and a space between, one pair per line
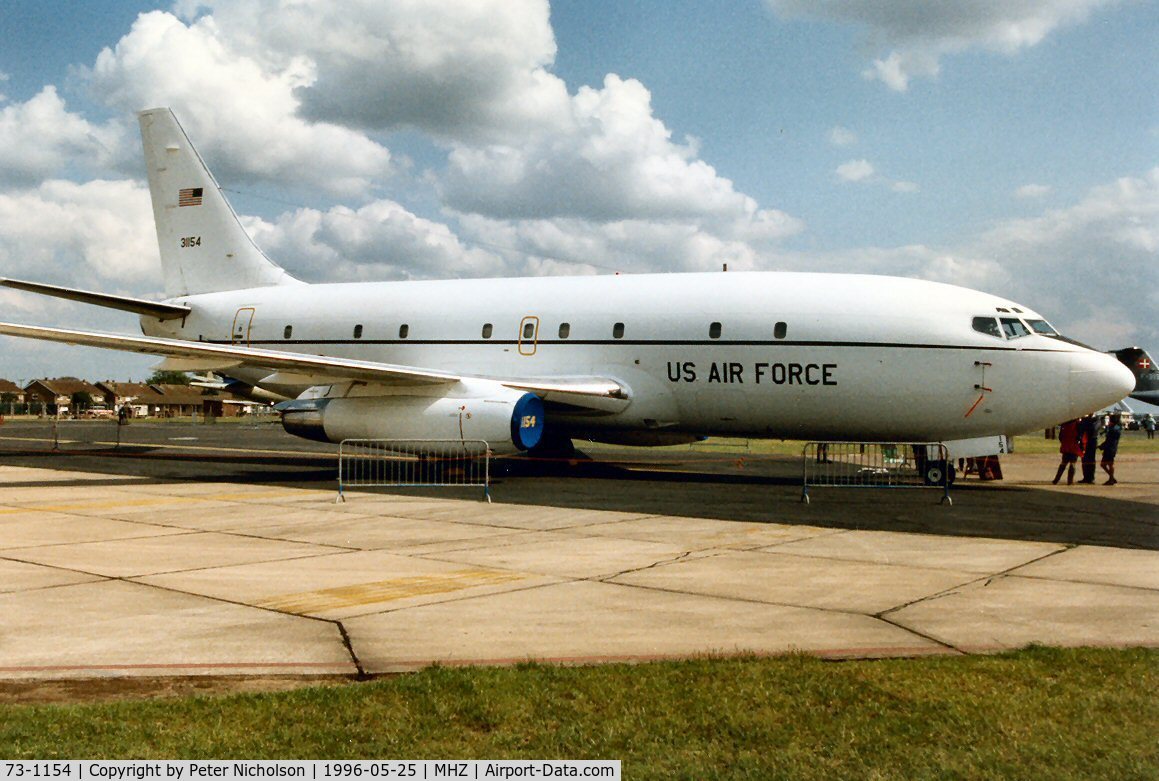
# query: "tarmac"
221, 551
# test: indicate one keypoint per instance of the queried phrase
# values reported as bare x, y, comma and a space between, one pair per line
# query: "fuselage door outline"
528, 335
242, 322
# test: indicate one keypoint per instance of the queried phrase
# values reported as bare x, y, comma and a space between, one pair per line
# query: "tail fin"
204, 248
1146, 373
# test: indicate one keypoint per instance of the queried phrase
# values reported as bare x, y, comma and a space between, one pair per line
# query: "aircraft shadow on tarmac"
767, 491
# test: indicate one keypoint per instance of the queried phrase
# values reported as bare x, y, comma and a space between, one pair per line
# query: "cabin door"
242, 321
528, 335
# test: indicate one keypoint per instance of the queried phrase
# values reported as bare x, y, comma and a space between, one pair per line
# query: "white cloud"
99, 233
381, 240
842, 136
520, 147
918, 33
1091, 268
237, 103
864, 171
612, 162
561, 246
457, 70
1030, 191
855, 171
40, 137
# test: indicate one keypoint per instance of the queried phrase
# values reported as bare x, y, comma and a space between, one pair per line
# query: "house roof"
138, 392
159, 394
8, 386
65, 386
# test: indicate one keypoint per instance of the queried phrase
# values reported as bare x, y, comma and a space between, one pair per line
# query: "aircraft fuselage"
779, 355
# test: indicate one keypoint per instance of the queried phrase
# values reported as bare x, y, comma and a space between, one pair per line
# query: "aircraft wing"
307, 369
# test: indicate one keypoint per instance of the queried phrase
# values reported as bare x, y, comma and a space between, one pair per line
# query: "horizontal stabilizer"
124, 303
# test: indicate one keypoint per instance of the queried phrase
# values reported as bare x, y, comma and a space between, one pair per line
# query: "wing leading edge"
306, 369
138, 306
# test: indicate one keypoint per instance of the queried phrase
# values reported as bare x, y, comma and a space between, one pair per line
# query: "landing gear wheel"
938, 473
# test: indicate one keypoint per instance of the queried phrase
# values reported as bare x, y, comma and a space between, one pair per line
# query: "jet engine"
510, 421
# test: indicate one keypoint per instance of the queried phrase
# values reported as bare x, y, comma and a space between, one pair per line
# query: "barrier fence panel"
82, 433
397, 463
876, 465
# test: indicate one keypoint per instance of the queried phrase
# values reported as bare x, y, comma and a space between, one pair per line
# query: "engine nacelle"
509, 421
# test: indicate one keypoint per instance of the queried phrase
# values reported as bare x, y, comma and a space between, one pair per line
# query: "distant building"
143, 399
163, 400
11, 397
54, 397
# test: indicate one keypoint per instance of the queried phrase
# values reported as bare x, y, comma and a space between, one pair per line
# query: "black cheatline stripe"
627, 342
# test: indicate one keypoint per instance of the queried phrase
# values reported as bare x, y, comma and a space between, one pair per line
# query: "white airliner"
642, 359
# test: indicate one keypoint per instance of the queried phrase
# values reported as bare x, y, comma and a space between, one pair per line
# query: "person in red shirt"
1071, 445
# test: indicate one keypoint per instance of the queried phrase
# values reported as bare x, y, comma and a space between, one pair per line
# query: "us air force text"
758, 374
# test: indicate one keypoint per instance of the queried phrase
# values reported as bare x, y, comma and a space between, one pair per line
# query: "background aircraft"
1146, 373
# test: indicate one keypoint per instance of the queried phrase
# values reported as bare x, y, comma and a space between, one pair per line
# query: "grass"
1035, 713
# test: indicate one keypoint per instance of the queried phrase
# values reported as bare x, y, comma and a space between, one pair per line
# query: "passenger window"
487, 330
988, 326
1042, 327
564, 330
618, 331
528, 330
403, 331
779, 330
1014, 328
358, 331
714, 331
287, 332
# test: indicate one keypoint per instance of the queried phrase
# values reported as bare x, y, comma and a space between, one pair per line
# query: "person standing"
1110, 448
1071, 446
1089, 433
1149, 425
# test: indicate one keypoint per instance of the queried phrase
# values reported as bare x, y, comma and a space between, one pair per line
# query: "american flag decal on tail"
190, 196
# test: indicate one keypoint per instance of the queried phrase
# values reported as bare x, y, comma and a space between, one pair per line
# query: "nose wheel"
938, 473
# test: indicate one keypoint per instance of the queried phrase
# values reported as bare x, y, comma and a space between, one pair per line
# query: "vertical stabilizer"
204, 248
1146, 373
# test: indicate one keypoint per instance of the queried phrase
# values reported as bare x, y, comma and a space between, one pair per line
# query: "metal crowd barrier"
69, 433
876, 465
397, 463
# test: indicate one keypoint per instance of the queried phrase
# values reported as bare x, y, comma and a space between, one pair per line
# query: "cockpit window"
1042, 327
1014, 328
988, 326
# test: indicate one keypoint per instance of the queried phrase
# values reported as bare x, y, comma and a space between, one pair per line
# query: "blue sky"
1009, 147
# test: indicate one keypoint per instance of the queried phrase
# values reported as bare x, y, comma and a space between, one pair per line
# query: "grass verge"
1036, 713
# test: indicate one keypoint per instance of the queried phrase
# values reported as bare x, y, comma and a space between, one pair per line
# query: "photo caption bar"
187, 770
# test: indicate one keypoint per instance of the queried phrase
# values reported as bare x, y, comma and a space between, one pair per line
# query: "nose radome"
1098, 380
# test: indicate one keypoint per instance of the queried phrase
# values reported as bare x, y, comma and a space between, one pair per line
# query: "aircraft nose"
1097, 380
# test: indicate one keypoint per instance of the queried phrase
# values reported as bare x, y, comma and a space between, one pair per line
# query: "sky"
1010, 146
